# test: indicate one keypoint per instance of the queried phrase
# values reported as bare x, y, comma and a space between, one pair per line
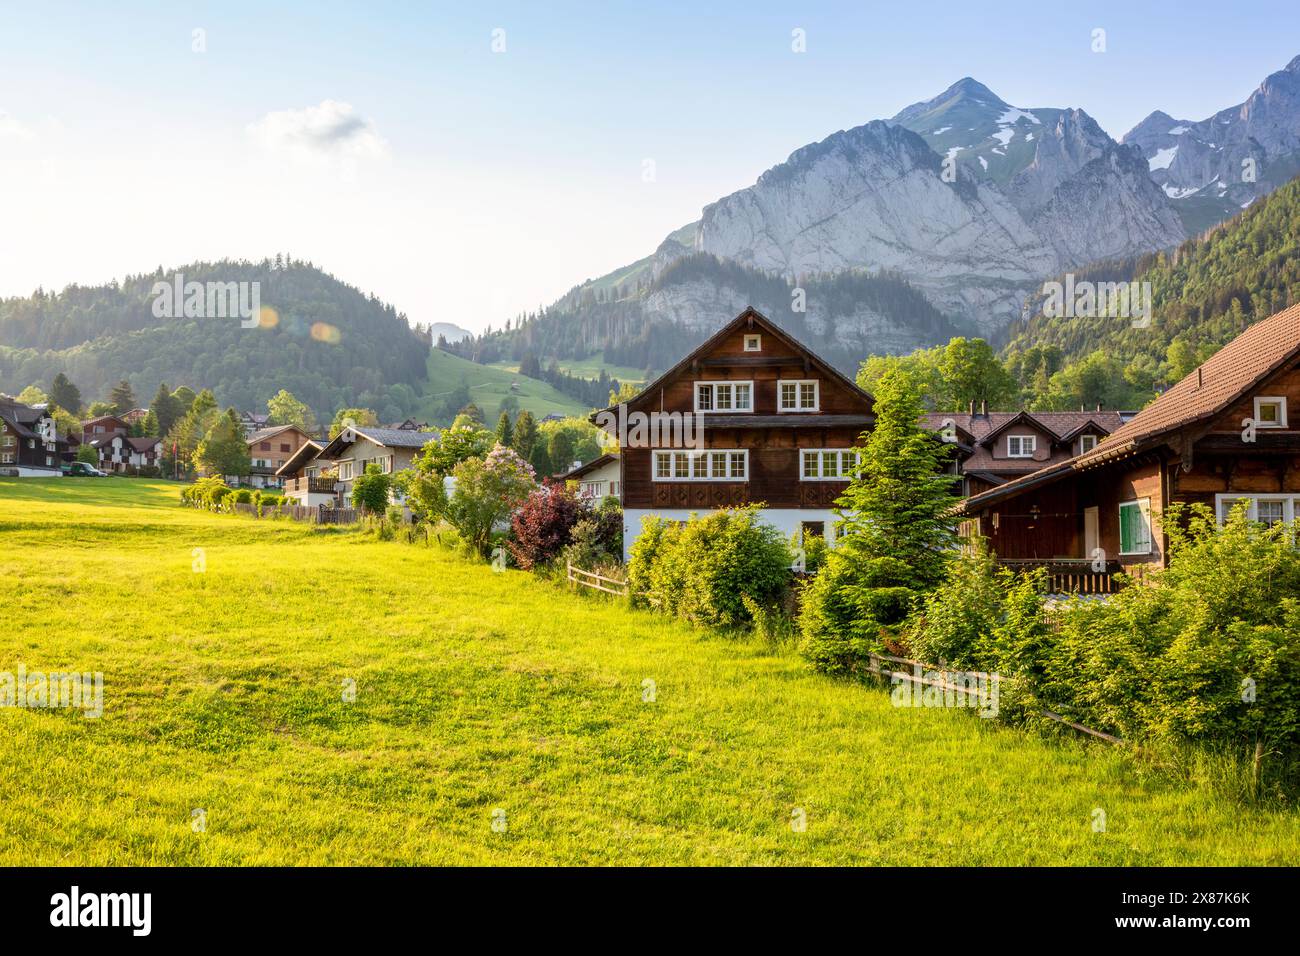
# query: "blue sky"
389, 144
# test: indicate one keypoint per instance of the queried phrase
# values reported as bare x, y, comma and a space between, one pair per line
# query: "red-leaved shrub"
540, 529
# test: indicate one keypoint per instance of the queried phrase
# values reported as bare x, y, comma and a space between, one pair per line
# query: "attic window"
1087, 443
753, 343
1270, 412
1021, 446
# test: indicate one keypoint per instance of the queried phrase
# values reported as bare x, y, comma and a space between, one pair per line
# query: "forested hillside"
1203, 293
651, 324
325, 341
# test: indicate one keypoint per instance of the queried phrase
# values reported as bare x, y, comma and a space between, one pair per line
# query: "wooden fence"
590, 579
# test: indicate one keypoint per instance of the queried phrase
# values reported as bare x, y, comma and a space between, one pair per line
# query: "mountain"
1026, 196
448, 331
679, 295
1204, 293
1217, 166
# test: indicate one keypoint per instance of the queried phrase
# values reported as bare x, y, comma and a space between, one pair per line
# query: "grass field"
478, 691
590, 367
488, 385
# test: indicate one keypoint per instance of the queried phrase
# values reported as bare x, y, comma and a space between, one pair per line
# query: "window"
1270, 412
1087, 443
724, 396
753, 343
1135, 527
345, 471
9, 441
284, 447
1267, 509
797, 396
6, 458
827, 464
1021, 446
264, 446
712, 465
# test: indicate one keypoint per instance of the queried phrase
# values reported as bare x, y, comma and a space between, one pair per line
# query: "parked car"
79, 469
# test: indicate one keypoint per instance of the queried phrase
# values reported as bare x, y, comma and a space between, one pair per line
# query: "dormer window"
798, 396
1270, 412
1087, 443
753, 343
1021, 446
724, 396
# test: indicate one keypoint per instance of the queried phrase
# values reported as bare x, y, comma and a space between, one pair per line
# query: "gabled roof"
748, 317
1065, 426
144, 443
387, 437
265, 433
305, 453
596, 463
1230, 374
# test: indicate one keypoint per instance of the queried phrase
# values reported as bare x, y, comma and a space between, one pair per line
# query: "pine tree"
894, 535
525, 435
223, 450
505, 434
64, 394
122, 397
165, 409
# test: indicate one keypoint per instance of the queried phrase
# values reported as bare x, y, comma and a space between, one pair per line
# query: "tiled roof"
397, 437
1223, 379
575, 473
981, 426
1209, 390
265, 433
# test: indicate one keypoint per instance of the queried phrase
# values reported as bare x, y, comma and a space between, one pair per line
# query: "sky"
469, 161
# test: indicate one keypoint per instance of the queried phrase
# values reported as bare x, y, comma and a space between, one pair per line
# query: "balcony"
1076, 575
314, 486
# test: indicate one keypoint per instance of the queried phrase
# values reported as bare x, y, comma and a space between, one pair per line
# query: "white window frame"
345, 464
700, 466
848, 457
713, 409
1084, 448
753, 342
6, 458
798, 384
1224, 501
1280, 401
1033, 446
1144, 506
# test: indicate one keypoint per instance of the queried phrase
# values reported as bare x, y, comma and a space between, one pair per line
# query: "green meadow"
484, 696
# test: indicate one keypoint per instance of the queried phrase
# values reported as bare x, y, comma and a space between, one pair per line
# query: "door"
1091, 532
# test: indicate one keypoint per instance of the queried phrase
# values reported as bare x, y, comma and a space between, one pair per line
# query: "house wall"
595, 486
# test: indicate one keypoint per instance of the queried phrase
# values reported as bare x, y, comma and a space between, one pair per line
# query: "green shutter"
1127, 528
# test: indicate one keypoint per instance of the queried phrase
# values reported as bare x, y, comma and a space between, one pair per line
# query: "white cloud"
332, 130
10, 127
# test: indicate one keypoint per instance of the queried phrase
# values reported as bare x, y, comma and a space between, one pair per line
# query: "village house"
322, 471
996, 447
126, 454
29, 441
104, 425
252, 422
777, 426
597, 480
1224, 434
268, 450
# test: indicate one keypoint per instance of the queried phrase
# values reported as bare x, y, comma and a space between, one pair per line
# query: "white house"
597, 480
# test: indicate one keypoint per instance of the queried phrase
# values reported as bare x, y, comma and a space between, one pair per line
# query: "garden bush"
540, 529
710, 568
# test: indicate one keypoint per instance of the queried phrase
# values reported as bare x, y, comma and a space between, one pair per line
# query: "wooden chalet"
1226, 432
777, 425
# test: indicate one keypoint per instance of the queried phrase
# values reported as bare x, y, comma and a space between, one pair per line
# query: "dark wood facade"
773, 439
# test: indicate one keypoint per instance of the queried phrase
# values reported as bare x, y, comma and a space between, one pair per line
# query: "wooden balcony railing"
1075, 575
315, 486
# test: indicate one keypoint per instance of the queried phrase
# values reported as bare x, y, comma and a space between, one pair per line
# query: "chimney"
576, 464
1200, 378
1099, 406
972, 408
984, 407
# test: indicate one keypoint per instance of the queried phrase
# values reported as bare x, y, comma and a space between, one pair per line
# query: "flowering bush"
488, 490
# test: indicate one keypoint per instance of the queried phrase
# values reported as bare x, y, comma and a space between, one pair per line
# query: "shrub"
488, 490
243, 497
596, 540
709, 568
540, 529
954, 622
370, 490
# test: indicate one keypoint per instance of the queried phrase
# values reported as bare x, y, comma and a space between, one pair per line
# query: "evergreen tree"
505, 434
541, 461
122, 397
894, 541
184, 398
525, 435
560, 450
165, 409
64, 394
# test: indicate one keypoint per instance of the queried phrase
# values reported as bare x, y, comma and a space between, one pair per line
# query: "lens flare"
268, 318
324, 332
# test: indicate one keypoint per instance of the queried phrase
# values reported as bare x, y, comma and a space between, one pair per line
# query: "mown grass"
477, 691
